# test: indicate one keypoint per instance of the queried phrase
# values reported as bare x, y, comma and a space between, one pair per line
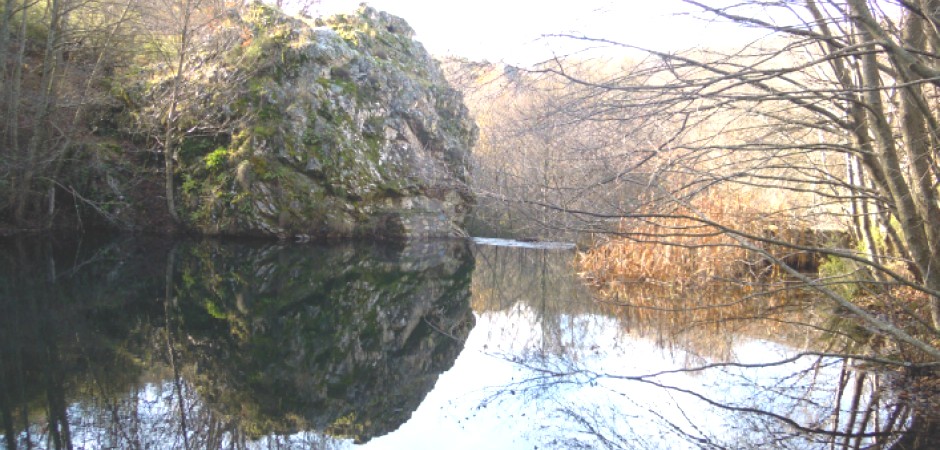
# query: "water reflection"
140, 343
147, 343
678, 369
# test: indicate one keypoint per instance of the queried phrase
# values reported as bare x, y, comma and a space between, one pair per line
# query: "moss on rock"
340, 127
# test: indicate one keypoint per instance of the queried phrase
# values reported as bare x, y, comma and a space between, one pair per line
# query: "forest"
804, 161
67, 67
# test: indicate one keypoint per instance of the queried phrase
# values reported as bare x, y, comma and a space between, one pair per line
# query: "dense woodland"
810, 155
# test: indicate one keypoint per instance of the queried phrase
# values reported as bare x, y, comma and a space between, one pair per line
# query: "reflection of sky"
535, 372
489, 401
455, 414
154, 403
505, 392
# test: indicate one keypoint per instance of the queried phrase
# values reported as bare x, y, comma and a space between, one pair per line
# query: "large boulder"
342, 126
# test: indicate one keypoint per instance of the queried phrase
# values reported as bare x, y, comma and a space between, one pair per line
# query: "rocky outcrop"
343, 126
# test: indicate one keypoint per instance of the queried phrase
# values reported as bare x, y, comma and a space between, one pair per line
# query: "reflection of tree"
710, 319
796, 402
248, 345
50, 331
540, 279
813, 398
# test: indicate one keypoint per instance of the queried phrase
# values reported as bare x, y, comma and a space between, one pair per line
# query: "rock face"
342, 127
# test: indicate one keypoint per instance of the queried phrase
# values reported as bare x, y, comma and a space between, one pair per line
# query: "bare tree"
828, 123
181, 18
536, 159
27, 159
49, 90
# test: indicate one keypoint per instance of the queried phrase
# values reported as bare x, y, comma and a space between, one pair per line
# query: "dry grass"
676, 248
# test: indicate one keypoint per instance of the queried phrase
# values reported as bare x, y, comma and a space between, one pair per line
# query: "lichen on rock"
342, 126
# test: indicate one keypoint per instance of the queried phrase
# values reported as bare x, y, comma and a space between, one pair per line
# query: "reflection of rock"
341, 338
344, 339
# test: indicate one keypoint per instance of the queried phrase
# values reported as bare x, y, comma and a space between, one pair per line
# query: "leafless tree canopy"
827, 125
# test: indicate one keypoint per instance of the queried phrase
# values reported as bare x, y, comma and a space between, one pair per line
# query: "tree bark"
27, 190
915, 225
917, 142
170, 135
5, 22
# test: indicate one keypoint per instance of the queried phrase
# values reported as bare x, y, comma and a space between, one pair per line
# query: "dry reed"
677, 248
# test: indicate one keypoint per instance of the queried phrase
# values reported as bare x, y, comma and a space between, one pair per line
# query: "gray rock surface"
343, 126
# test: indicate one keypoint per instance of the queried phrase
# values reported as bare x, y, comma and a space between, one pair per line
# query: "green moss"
374, 129
214, 310
242, 203
264, 130
194, 148
190, 185
839, 275
259, 166
273, 172
310, 140
217, 159
207, 196
260, 86
269, 49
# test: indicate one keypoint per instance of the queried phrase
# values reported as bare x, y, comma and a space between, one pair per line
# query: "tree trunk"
4, 49
914, 224
169, 139
917, 142
50, 61
13, 113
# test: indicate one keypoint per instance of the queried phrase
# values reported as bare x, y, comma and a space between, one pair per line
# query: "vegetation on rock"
266, 124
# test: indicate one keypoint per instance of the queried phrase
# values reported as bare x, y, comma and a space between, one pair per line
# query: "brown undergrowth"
682, 279
691, 285
676, 247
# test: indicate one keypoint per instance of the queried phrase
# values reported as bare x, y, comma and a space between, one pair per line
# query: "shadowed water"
149, 343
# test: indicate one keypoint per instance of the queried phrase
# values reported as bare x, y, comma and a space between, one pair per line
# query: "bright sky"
511, 30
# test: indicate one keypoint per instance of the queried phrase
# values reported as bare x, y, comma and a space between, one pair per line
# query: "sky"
513, 31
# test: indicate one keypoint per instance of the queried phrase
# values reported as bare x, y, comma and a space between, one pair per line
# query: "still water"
137, 342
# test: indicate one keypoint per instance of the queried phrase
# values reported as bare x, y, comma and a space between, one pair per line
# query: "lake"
146, 342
